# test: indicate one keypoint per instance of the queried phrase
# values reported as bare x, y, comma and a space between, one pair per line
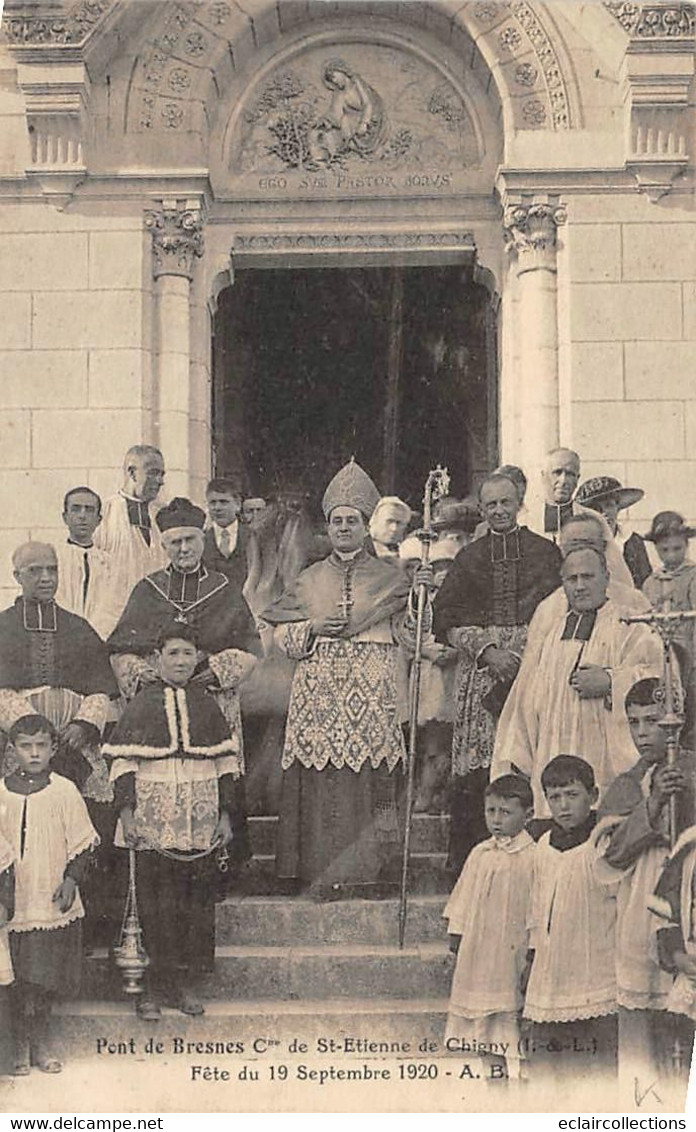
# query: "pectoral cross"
347, 598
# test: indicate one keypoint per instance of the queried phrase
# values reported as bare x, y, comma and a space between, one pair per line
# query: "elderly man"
560, 478
53, 663
387, 526
126, 532
188, 592
85, 582
569, 694
483, 609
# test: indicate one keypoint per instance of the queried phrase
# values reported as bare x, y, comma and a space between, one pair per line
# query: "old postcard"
347, 419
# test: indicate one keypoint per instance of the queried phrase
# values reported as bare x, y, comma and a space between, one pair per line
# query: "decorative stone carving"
179, 79
220, 12
510, 39
526, 74
172, 115
177, 238
26, 25
654, 21
358, 115
194, 44
530, 231
353, 241
534, 112
548, 61
56, 99
623, 11
486, 13
675, 22
659, 70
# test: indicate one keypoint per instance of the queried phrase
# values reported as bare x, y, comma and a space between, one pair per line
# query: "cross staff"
668, 626
437, 486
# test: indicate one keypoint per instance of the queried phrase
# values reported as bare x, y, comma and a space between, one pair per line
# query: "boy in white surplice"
489, 911
571, 992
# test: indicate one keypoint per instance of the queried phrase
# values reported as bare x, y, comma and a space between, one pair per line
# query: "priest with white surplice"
568, 697
127, 532
86, 580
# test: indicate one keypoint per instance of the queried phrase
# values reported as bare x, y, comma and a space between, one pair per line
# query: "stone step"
305, 972
264, 919
82, 1023
430, 834
427, 874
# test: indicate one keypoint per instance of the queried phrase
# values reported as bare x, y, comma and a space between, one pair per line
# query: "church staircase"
288, 966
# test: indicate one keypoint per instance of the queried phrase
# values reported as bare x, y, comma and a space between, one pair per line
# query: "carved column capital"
530, 232
177, 237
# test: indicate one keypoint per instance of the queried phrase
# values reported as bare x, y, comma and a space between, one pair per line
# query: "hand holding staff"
437, 486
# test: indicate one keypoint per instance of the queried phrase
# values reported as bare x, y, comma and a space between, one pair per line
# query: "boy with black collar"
570, 975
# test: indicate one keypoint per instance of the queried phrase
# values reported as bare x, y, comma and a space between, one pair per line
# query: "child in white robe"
45, 821
489, 909
571, 991
634, 840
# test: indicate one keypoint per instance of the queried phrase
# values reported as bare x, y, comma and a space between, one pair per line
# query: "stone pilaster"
531, 234
177, 241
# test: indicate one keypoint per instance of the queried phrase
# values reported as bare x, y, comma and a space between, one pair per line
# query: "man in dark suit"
227, 539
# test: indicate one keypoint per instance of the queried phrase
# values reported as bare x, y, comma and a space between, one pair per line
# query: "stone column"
530, 231
176, 242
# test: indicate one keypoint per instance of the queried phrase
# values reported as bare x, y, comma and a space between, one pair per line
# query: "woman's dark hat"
599, 487
667, 524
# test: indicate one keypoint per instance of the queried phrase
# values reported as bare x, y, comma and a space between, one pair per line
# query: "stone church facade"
152, 150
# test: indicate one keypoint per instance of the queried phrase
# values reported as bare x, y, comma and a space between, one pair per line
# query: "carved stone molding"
177, 237
513, 28
530, 232
352, 241
656, 176
52, 23
654, 21
658, 73
56, 99
549, 65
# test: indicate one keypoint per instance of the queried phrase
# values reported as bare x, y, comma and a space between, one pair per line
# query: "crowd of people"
167, 668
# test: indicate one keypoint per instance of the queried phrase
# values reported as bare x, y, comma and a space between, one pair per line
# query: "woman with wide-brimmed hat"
607, 495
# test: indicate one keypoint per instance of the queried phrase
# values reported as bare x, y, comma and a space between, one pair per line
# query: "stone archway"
172, 105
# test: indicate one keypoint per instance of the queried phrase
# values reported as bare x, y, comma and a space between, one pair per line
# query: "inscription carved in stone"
369, 116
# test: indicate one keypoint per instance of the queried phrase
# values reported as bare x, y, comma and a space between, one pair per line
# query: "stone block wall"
75, 366
627, 293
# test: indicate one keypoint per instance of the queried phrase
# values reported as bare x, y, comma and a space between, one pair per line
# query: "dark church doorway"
394, 365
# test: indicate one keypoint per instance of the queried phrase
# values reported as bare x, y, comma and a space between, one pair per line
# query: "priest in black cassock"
187, 591
483, 609
53, 663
